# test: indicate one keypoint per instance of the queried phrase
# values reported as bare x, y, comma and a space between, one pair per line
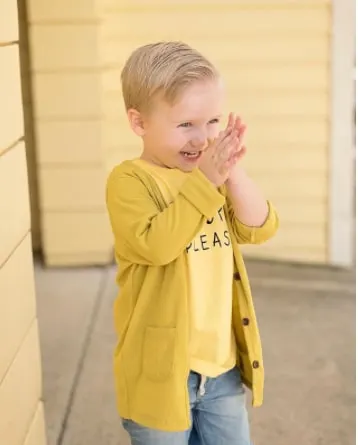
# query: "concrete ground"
307, 320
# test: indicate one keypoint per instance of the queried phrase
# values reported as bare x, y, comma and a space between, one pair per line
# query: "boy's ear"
136, 121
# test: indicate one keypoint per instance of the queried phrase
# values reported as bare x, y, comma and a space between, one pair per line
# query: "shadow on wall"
30, 140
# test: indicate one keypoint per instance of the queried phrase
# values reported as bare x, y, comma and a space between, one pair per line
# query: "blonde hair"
162, 69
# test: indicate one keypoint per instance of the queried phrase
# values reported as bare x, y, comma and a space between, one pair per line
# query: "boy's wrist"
236, 174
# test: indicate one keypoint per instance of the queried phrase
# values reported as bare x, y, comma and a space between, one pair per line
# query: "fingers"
217, 145
221, 137
241, 135
238, 123
239, 129
231, 120
228, 144
234, 121
239, 154
225, 153
235, 156
234, 124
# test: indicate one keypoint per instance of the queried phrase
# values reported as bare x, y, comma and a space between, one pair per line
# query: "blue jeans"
218, 412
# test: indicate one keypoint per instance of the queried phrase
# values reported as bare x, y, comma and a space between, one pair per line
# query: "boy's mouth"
191, 155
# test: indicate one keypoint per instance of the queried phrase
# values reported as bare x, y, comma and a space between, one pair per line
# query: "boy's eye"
214, 121
189, 124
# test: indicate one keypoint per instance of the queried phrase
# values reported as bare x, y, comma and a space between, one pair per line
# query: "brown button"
255, 364
237, 276
245, 321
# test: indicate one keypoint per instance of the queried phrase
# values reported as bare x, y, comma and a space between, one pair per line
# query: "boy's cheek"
213, 133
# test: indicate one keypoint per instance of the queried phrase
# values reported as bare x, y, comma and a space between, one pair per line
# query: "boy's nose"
199, 142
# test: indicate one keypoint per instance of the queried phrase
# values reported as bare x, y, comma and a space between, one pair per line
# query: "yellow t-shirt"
210, 265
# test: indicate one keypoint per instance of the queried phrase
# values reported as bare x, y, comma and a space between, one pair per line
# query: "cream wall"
275, 58
30, 142
66, 73
21, 408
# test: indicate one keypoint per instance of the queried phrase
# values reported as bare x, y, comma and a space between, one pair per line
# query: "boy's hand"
249, 205
224, 152
220, 156
235, 122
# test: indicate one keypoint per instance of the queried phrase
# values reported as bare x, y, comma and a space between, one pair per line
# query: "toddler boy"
188, 341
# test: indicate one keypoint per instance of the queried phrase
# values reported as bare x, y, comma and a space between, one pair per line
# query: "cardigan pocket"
158, 353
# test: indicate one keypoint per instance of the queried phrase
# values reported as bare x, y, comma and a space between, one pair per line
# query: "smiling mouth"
191, 154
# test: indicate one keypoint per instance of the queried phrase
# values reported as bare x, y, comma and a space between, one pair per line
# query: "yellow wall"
30, 142
275, 58
66, 76
21, 418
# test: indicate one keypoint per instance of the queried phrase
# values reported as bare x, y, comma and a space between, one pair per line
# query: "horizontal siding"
81, 193
27, 103
9, 29
60, 11
14, 200
293, 186
273, 78
18, 312
20, 390
299, 254
67, 96
188, 5
20, 368
274, 57
257, 50
78, 234
53, 47
290, 212
272, 21
10, 97
69, 142
300, 133
68, 116
277, 104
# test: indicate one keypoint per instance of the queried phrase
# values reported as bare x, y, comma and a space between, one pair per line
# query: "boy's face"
176, 136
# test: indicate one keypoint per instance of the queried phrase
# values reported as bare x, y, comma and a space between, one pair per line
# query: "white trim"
341, 184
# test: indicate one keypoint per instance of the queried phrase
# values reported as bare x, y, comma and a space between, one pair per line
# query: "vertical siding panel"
68, 119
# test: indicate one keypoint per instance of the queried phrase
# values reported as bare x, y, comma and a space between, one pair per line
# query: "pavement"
307, 322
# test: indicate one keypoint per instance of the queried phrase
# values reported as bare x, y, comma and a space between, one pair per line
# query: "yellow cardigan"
151, 360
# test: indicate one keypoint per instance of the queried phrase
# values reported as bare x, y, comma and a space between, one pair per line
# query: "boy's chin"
186, 168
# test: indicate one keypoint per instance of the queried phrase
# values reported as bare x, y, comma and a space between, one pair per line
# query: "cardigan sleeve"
254, 235
143, 233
